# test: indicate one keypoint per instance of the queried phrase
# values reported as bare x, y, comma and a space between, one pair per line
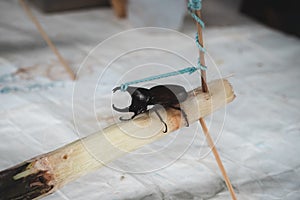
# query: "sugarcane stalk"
44, 174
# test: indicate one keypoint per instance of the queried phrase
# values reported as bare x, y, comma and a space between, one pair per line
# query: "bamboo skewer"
120, 8
46, 173
47, 39
201, 54
217, 157
202, 121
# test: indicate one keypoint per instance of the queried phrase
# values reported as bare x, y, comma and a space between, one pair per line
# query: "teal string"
188, 70
30, 88
200, 47
193, 5
5, 79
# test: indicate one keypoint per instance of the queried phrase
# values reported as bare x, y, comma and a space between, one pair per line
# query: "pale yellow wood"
90, 153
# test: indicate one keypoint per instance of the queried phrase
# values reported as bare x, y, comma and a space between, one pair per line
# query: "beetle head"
139, 100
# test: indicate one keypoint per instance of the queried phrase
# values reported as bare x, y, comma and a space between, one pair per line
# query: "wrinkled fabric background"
258, 142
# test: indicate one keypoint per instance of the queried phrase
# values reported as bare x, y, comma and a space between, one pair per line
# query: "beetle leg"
159, 116
133, 116
183, 113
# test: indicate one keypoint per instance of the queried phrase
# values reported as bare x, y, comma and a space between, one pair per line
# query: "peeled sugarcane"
44, 174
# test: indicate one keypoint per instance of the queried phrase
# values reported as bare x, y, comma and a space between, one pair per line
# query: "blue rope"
193, 5
5, 79
30, 88
200, 47
189, 70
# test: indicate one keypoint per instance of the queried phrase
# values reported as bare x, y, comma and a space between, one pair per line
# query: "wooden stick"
47, 39
218, 159
201, 54
201, 120
120, 8
46, 173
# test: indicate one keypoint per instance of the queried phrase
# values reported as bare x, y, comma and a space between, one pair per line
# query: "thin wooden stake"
201, 120
217, 157
47, 39
201, 54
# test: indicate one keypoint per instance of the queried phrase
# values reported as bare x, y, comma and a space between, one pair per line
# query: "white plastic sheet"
259, 144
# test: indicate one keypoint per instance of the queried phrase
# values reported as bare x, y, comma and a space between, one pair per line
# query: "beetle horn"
116, 88
129, 89
120, 109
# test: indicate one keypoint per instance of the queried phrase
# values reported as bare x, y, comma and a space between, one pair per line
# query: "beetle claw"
122, 119
166, 127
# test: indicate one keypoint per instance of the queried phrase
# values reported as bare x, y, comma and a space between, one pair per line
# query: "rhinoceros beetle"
168, 96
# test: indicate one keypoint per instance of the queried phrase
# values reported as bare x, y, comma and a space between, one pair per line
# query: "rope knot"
195, 4
200, 66
124, 87
192, 70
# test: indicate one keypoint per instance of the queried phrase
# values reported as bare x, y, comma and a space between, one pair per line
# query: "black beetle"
168, 96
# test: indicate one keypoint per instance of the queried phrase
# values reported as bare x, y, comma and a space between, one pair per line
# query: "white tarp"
259, 143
